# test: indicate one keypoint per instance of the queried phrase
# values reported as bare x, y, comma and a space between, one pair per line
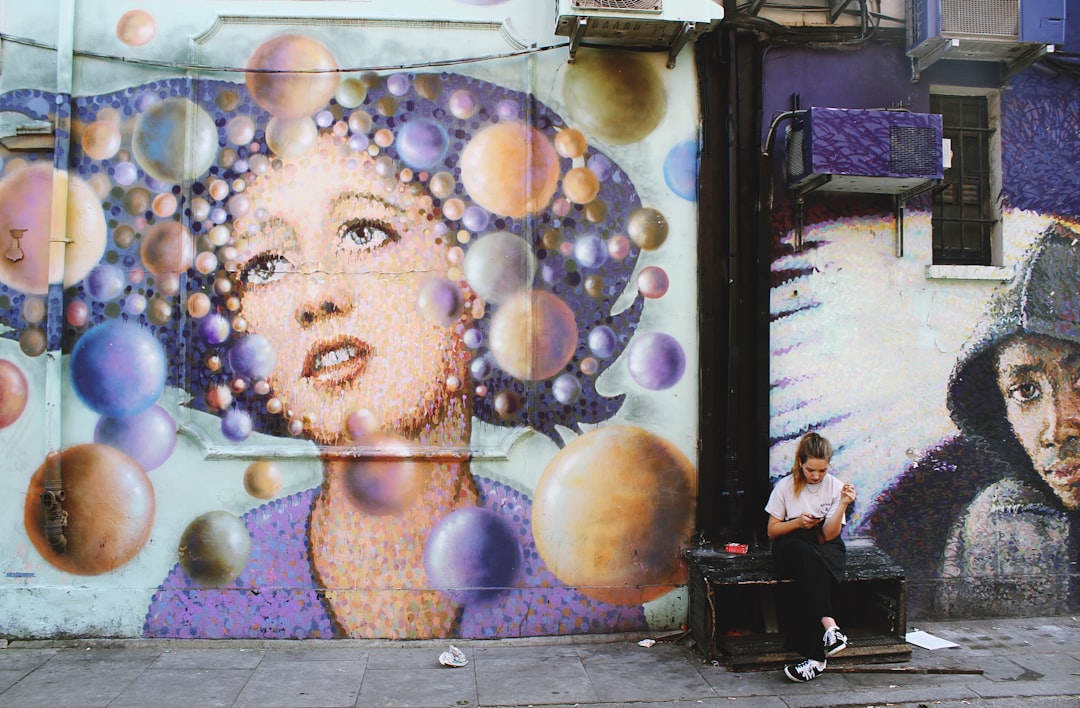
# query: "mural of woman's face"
331, 261
1039, 378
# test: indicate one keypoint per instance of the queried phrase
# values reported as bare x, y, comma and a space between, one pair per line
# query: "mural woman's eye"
367, 234
264, 268
1024, 392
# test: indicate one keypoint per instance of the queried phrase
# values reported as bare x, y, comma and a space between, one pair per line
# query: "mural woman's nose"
1064, 425
311, 312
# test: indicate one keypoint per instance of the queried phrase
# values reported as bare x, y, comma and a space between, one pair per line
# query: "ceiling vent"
646, 24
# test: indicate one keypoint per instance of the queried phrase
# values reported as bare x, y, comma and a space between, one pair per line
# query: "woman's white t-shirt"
821, 499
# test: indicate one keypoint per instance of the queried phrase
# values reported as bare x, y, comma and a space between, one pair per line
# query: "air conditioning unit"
1010, 31
864, 151
657, 24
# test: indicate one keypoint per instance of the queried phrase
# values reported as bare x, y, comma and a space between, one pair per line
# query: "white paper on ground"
927, 641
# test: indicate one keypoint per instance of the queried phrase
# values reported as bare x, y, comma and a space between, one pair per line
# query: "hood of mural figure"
1042, 299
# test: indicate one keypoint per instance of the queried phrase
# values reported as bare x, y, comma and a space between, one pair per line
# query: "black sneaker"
835, 641
805, 671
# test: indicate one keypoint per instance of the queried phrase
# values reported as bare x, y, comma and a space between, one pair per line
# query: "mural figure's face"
1040, 380
815, 469
331, 260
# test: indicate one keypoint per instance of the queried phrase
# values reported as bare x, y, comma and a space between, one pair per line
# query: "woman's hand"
808, 521
847, 494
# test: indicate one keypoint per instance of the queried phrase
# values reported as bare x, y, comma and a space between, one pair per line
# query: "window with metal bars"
963, 207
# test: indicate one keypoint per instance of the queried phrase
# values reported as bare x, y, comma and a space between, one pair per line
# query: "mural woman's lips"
338, 361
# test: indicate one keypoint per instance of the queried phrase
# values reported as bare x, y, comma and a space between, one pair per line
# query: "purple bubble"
473, 338
656, 360
422, 143
602, 341
601, 166
105, 282
481, 368
567, 389
472, 555
475, 219
253, 357
681, 170
507, 110
359, 142
148, 438
214, 329
125, 173
590, 251
397, 84
236, 425
118, 369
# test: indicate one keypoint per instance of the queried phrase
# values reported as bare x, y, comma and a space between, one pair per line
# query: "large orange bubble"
533, 335
136, 27
167, 248
30, 219
101, 139
510, 168
14, 393
614, 95
307, 80
109, 503
612, 512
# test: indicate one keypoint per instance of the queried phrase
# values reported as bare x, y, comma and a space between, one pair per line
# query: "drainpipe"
53, 497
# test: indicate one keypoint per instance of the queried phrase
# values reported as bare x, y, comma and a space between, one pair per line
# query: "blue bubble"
422, 144
118, 369
681, 170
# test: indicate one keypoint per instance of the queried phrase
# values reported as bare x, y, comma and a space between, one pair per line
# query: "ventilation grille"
995, 18
624, 5
912, 150
795, 166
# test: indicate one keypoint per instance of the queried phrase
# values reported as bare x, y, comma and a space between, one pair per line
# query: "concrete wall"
323, 320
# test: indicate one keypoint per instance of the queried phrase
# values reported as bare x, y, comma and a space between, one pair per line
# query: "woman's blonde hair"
811, 446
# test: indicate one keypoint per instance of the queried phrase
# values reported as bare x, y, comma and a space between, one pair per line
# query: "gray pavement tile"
742, 684
303, 684
224, 658
658, 681
552, 680
8, 678
132, 652
182, 688
1052, 666
1023, 689
426, 657
24, 659
861, 699
74, 684
418, 688
322, 653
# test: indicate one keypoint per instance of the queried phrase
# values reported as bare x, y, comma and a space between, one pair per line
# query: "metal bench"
737, 607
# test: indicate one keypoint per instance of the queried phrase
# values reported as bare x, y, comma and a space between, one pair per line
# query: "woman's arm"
777, 527
834, 525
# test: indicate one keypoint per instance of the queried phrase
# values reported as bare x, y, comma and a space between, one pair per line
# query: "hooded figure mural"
987, 523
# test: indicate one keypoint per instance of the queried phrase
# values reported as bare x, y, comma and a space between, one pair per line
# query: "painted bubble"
570, 143
566, 389
397, 84
101, 139
105, 282
499, 265
510, 169
463, 104
148, 438
590, 251
125, 173
422, 143
118, 369
164, 205
174, 140
601, 166
647, 228
389, 480
214, 548
292, 76
351, 92
602, 341
240, 130
472, 555
167, 248
481, 368
26, 227
652, 282
291, 137
598, 522
263, 479
14, 392
656, 360
137, 201
109, 504
34, 309
77, 313
135, 28
442, 184
32, 341
507, 404
475, 218
236, 425
533, 335
135, 304
441, 301
618, 247
615, 96
214, 329
580, 185
681, 170
253, 357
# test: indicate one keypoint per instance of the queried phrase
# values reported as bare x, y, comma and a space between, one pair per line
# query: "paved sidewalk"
1033, 663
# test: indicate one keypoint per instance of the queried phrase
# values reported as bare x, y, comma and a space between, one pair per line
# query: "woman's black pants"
800, 557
